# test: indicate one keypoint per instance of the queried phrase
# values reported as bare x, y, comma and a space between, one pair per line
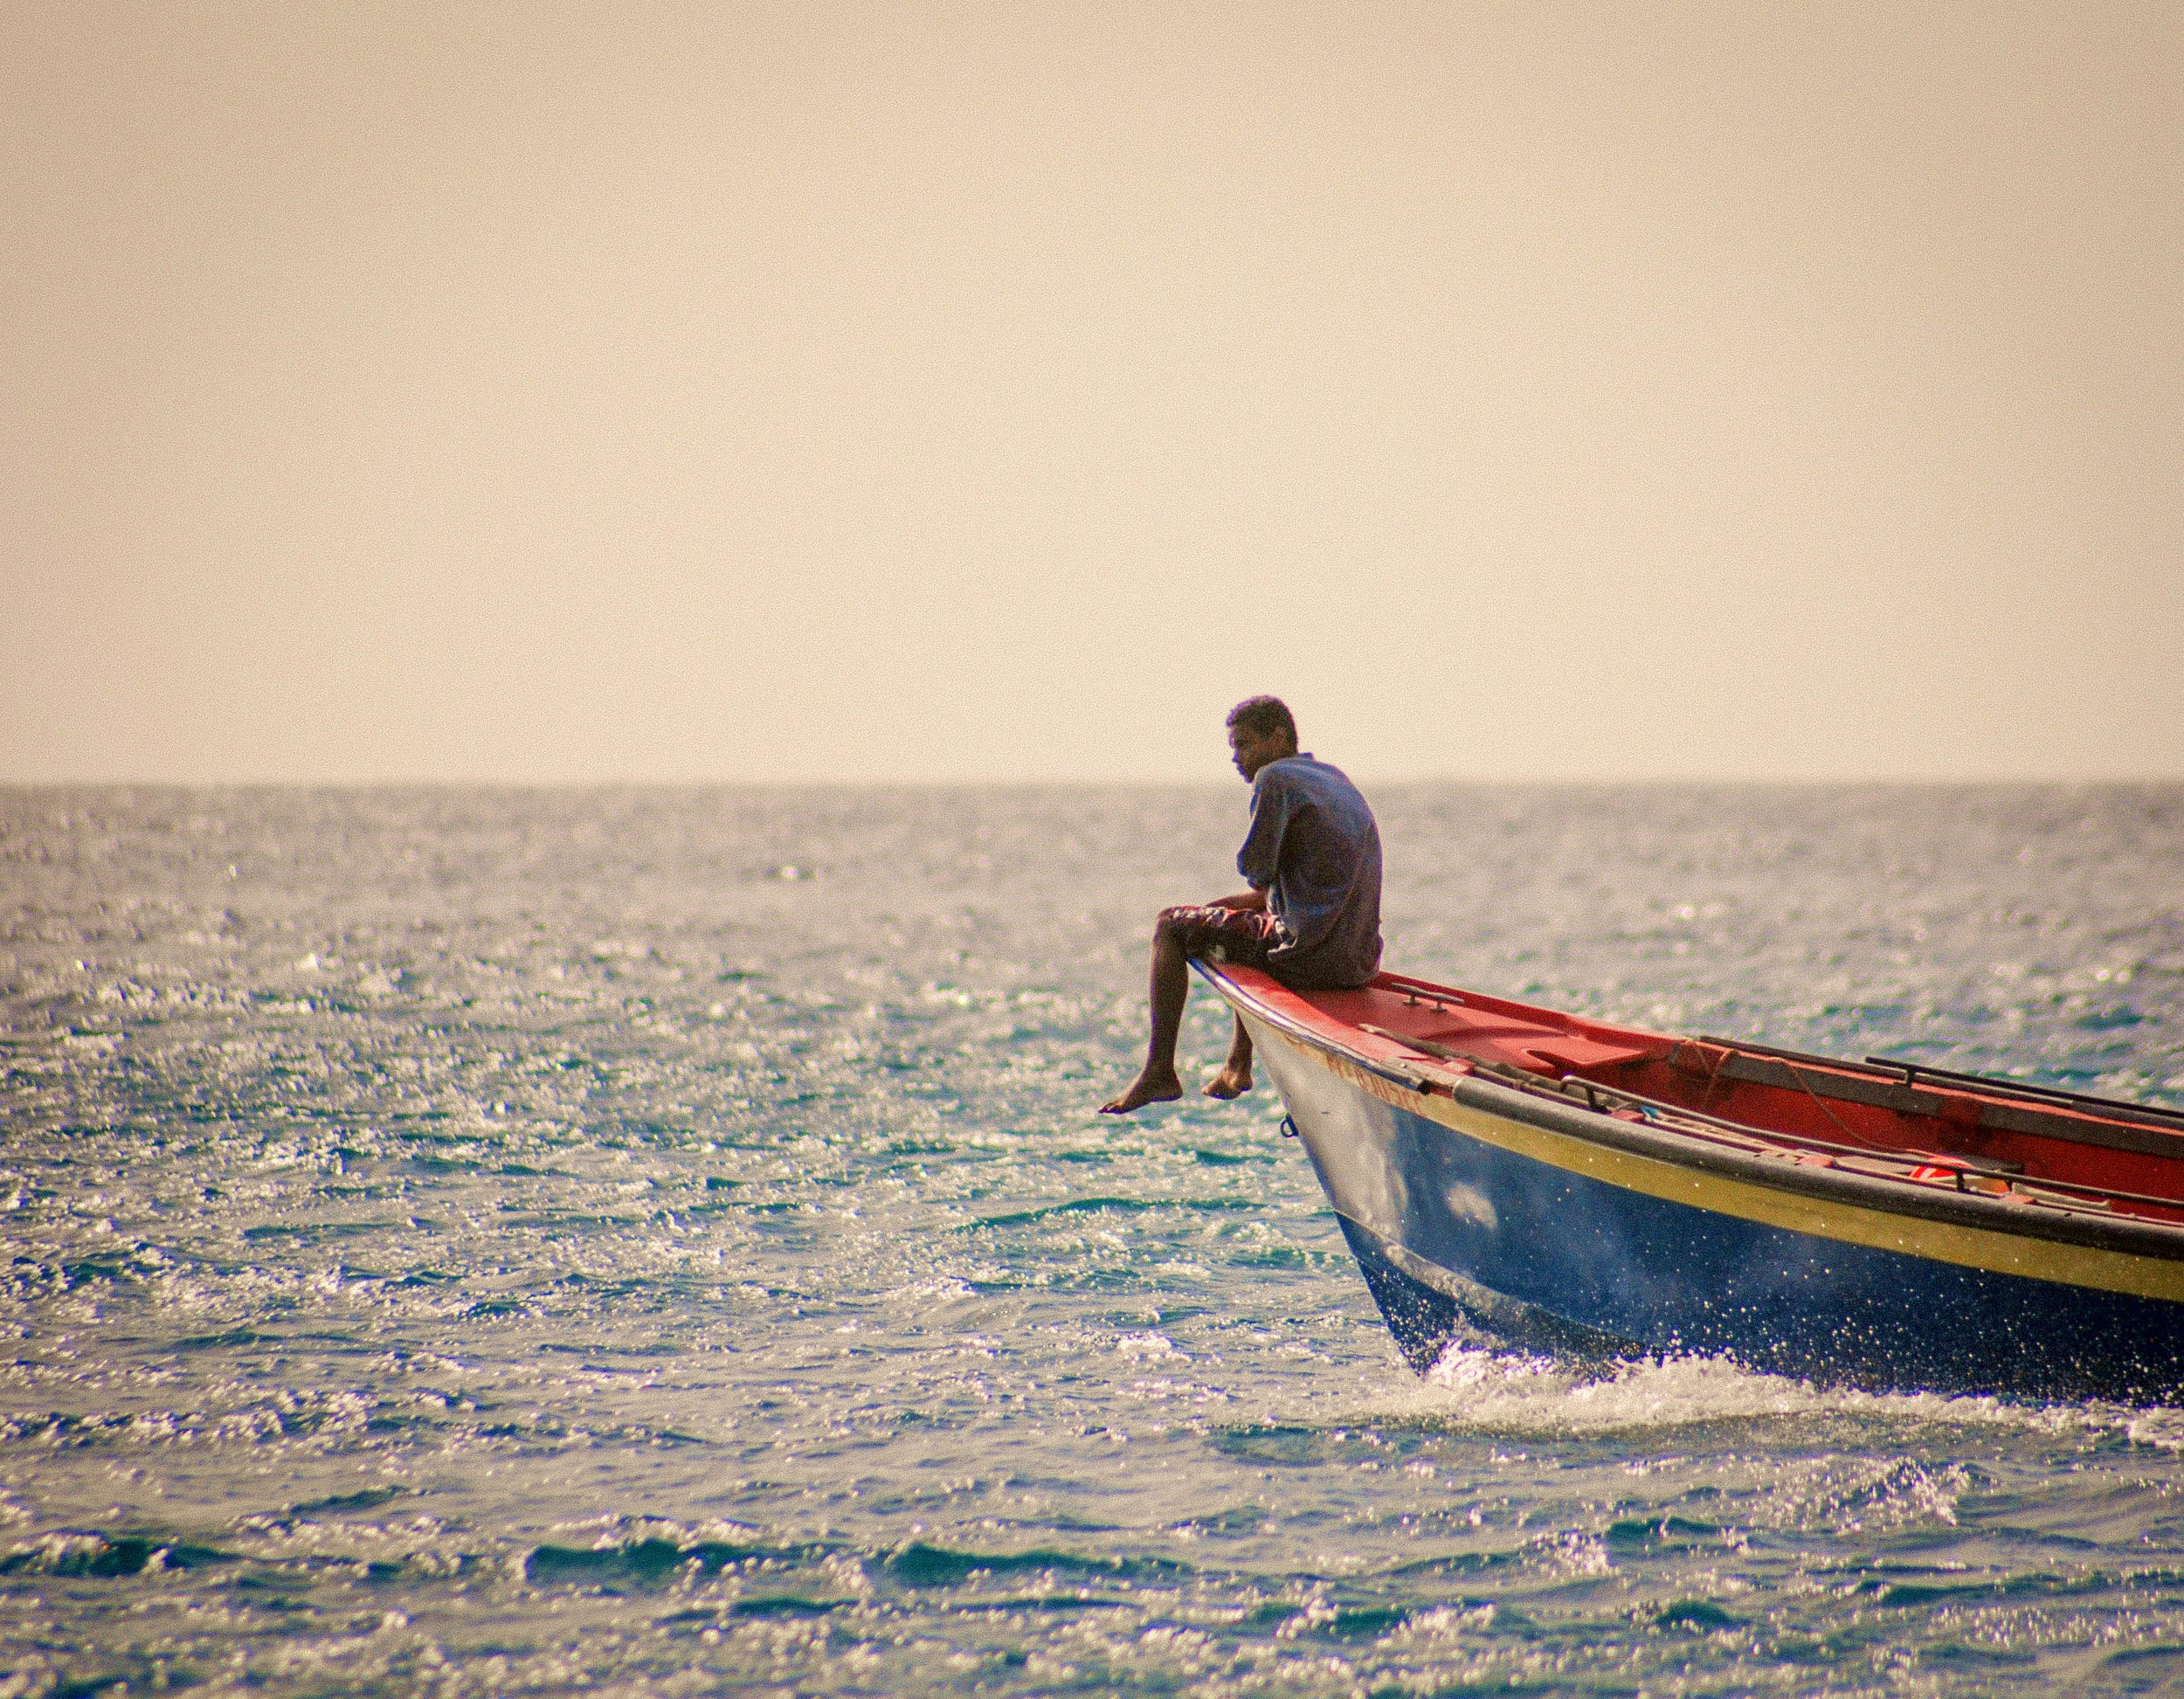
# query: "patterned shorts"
1241, 935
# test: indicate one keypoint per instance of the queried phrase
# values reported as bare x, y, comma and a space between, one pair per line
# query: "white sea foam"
1485, 1390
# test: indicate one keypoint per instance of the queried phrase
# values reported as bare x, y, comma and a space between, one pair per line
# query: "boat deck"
1923, 1127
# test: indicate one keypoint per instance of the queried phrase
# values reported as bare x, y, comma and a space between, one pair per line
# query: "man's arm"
1260, 859
1252, 901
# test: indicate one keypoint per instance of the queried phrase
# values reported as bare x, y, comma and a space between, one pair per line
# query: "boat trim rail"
1911, 1074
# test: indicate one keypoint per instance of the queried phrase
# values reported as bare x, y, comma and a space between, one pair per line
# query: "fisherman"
1311, 917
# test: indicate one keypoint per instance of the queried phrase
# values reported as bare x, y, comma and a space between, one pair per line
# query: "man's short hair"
1261, 715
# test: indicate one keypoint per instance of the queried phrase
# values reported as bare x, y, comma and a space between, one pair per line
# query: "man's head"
1261, 729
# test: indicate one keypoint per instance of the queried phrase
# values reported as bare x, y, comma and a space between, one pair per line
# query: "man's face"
1255, 749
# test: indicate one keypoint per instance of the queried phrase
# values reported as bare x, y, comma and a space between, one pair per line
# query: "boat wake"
1474, 1388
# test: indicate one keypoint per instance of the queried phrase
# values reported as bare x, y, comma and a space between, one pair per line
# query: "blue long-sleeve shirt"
1315, 849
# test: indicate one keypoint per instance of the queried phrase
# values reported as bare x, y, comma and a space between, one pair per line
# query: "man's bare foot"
1147, 1087
1229, 1083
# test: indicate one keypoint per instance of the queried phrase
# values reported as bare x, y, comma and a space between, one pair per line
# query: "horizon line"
1209, 782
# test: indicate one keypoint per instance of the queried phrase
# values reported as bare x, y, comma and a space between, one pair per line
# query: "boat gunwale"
1910, 1088
1890, 1070
1546, 1108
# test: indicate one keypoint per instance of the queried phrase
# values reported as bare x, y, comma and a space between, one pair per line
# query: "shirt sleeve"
1261, 854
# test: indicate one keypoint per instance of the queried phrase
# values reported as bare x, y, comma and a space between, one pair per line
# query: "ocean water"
661, 1242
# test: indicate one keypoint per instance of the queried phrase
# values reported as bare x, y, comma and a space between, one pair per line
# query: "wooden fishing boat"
1558, 1184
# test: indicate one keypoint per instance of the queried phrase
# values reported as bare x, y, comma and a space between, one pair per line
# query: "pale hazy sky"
624, 391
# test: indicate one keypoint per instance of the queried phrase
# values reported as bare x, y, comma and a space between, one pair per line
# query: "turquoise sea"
660, 1241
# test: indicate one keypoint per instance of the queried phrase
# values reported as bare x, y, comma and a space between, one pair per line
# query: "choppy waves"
526, 1242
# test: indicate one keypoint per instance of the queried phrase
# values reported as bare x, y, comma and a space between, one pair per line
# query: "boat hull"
1463, 1216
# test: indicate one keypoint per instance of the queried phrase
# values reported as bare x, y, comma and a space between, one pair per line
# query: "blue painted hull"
1456, 1231
1588, 1271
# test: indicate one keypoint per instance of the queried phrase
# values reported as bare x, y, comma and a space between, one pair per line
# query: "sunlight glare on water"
661, 1242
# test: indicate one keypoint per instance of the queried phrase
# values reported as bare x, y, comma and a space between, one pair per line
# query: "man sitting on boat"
1311, 917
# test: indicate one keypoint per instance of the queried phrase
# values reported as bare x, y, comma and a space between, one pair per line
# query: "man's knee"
1174, 925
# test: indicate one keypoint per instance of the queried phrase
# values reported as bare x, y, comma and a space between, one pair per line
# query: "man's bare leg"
1234, 1079
1157, 1083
